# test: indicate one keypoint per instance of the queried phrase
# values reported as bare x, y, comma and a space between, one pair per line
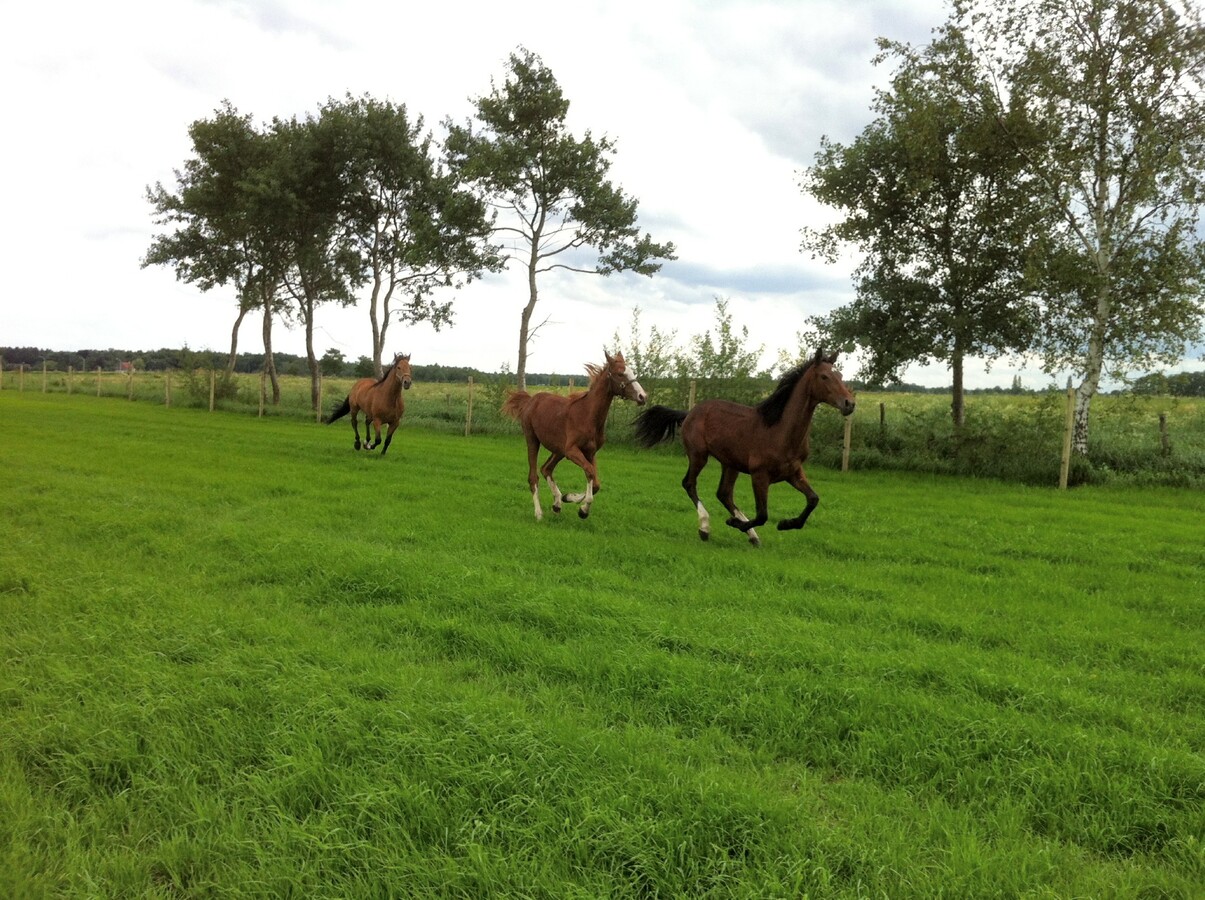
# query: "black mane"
772, 408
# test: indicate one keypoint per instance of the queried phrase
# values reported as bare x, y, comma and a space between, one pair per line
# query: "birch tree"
1107, 107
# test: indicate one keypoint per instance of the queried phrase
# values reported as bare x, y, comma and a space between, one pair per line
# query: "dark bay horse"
572, 428
769, 441
379, 400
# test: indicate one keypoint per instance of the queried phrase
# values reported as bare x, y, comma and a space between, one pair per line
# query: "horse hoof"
583, 513
755, 541
556, 508
704, 535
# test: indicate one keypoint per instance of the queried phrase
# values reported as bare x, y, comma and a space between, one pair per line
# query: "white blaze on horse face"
633, 389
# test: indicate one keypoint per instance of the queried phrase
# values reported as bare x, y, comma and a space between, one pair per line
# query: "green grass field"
240, 660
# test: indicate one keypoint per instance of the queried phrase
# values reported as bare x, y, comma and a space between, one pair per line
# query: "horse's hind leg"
737, 519
690, 484
376, 427
799, 481
355, 426
546, 470
533, 478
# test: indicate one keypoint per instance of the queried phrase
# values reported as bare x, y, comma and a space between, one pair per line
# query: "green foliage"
932, 199
722, 355
940, 687
552, 186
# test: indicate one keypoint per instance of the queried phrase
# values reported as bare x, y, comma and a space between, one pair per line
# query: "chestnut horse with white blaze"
572, 428
768, 442
380, 400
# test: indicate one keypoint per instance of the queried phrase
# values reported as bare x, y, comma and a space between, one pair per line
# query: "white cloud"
716, 106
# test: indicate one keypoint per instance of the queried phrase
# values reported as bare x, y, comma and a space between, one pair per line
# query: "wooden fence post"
263, 390
849, 426
21, 383
1, 373
43, 376
70, 379
690, 401
318, 408
213, 387
130, 383
98, 381
167, 387
1164, 443
882, 418
1068, 428
468, 419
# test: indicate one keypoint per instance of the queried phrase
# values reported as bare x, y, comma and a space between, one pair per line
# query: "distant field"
241, 660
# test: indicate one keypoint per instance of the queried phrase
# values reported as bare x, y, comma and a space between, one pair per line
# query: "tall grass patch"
242, 659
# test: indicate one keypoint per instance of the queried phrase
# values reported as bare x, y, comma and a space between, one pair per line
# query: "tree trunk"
1093, 363
958, 402
269, 360
525, 319
242, 313
307, 308
378, 336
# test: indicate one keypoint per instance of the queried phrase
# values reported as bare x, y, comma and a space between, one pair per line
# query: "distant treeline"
113, 360
1181, 384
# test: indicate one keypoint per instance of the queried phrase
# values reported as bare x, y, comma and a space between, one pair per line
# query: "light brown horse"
380, 401
572, 428
769, 441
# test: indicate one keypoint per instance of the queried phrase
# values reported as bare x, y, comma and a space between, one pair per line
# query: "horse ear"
831, 358
819, 355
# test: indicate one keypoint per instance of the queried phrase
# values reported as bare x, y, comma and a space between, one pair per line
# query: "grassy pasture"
240, 660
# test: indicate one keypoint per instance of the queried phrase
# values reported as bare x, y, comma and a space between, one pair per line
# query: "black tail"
340, 412
656, 424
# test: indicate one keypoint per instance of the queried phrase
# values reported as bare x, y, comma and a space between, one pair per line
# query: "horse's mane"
772, 408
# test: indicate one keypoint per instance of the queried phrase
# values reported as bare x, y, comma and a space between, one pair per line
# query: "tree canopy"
549, 188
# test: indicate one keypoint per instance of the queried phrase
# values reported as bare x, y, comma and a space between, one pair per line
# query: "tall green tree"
1107, 107
310, 166
550, 188
411, 226
227, 220
930, 197
208, 237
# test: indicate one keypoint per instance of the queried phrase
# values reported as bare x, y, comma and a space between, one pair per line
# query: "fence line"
65, 382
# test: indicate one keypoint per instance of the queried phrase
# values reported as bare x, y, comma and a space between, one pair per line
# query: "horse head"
622, 379
827, 385
401, 367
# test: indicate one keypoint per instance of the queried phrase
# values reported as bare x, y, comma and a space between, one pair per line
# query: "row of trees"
358, 201
1031, 184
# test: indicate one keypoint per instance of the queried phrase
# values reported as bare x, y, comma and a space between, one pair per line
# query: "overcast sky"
716, 108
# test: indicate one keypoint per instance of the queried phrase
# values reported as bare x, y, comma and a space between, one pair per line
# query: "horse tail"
515, 403
339, 412
656, 424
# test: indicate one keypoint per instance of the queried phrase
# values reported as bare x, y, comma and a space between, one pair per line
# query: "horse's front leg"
799, 481
546, 470
737, 519
376, 427
355, 426
578, 458
389, 436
